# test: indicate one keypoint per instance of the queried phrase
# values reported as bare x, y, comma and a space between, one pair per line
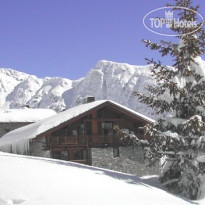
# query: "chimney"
88, 99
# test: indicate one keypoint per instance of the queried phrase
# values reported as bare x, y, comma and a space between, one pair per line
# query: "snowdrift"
31, 181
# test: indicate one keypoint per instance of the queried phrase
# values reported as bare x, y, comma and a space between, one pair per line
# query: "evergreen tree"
180, 93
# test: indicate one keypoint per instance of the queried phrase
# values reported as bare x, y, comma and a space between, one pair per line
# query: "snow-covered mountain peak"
104, 64
117, 68
107, 80
20, 76
112, 81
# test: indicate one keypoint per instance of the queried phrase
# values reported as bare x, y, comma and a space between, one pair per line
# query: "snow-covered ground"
39, 181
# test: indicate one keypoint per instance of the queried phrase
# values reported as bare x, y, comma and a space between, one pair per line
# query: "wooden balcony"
91, 141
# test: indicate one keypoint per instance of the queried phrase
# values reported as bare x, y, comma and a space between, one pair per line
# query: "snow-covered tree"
179, 139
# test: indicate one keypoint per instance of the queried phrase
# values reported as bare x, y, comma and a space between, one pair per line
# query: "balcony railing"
83, 140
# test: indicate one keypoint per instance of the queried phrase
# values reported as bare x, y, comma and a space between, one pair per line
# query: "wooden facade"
74, 139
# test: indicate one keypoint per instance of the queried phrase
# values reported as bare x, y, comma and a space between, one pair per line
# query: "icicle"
20, 147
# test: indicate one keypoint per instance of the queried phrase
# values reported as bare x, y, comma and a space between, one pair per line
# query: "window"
64, 155
56, 154
71, 154
89, 128
81, 129
116, 152
107, 128
75, 133
79, 154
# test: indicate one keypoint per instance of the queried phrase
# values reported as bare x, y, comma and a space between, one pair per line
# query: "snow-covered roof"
33, 130
25, 115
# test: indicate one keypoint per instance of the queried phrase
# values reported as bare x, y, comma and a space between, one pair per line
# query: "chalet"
11, 119
84, 134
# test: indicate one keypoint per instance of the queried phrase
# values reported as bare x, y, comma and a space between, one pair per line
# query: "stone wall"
36, 148
129, 161
7, 127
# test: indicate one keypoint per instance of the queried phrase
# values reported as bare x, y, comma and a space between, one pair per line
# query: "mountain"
107, 80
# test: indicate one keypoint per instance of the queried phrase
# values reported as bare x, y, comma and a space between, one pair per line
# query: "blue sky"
66, 38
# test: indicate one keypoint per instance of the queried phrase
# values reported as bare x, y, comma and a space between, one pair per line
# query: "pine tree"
180, 93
